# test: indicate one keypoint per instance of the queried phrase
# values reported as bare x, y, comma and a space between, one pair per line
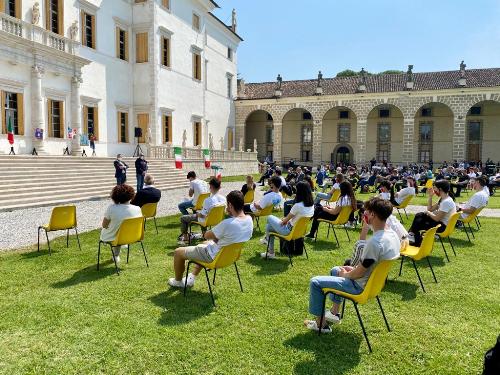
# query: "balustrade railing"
189, 153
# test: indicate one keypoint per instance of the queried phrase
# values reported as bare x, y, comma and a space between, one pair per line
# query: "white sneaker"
350, 225
269, 255
411, 237
117, 259
334, 319
190, 281
263, 241
176, 284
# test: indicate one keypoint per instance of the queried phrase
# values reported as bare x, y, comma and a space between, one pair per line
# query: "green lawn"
58, 315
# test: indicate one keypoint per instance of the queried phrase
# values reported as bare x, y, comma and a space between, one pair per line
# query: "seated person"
478, 200
249, 185
410, 189
287, 206
320, 176
215, 199
237, 228
273, 197
290, 177
120, 210
196, 187
279, 173
494, 182
385, 190
300, 175
438, 213
148, 194
322, 212
303, 207
327, 196
383, 245
266, 175
463, 181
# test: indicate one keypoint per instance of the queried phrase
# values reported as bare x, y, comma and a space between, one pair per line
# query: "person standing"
141, 167
92, 140
120, 170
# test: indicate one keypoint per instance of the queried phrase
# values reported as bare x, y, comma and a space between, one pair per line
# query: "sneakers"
117, 259
334, 319
263, 241
313, 326
190, 281
174, 283
269, 255
411, 238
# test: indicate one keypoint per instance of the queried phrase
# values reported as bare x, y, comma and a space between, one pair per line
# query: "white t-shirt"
268, 199
478, 200
397, 227
403, 193
472, 175
283, 181
199, 187
116, 213
213, 200
448, 207
229, 231
299, 210
385, 196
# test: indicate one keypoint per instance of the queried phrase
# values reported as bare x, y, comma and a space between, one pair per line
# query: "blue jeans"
320, 196
183, 206
274, 225
140, 182
333, 281
120, 180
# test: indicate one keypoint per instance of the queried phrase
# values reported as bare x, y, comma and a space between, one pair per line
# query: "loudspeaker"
137, 132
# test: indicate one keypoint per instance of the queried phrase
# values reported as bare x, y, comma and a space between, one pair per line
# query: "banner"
39, 134
206, 157
178, 157
10, 131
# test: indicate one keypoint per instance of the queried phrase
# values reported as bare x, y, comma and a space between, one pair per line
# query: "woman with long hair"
323, 212
303, 207
438, 213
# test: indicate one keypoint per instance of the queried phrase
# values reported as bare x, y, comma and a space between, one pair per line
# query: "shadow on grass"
168, 225
271, 266
87, 274
323, 245
335, 353
407, 290
178, 309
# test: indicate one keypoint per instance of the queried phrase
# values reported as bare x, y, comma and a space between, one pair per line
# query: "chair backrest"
266, 211
228, 255
450, 227
149, 209
215, 215
376, 281
335, 196
343, 217
199, 203
427, 243
249, 196
472, 216
131, 231
63, 217
429, 183
406, 201
283, 194
300, 228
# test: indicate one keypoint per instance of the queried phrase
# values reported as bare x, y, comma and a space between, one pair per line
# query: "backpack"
295, 247
492, 360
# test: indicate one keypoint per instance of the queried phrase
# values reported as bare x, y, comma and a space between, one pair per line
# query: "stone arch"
337, 148
297, 135
384, 134
482, 130
337, 129
259, 125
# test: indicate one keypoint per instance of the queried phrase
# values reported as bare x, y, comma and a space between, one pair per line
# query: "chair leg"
305, 250
432, 270
258, 224
444, 249
347, 232
401, 266
215, 274
452, 247
399, 213
328, 233
335, 234
467, 233
78, 239
237, 274
67, 238
144, 252
343, 308
186, 278
321, 320
362, 327
154, 219
383, 314
404, 209
418, 275
471, 232
128, 251
48, 242
98, 255
190, 233
209, 286
478, 221
114, 259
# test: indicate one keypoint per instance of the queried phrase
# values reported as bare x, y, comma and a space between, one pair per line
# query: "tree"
391, 72
347, 73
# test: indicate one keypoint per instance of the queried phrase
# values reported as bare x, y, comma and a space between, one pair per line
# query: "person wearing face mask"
120, 170
141, 167
438, 213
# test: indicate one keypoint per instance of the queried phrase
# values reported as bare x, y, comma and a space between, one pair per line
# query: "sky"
297, 38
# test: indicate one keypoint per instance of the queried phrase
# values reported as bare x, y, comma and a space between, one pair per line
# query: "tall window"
196, 22
166, 4
230, 53
141, 46
197, 133
12, 110
165, 51
229, 87
123, 127
384, 142
121, 44
88, 30
54, 16
306, 143
474, 140
269, 135
11, 7
143, 123
344, 135
425, 142
167, 128
91, 121
55, 118
197, 66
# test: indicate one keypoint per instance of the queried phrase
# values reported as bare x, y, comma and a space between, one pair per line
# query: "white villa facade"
104, 67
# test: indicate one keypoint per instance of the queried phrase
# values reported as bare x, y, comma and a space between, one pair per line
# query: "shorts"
198, 253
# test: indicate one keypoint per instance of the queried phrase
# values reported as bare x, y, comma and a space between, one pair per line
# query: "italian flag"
10, 131
178, 157
206, 157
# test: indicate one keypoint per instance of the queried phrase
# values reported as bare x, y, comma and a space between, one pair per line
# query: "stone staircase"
35, 181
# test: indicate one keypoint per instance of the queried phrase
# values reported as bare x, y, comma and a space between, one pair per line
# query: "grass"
236, 178
58, 315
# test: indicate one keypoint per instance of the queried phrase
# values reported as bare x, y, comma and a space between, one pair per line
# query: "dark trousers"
287, 207
319, 214
120, 180
246, 209
140, 182
422, 221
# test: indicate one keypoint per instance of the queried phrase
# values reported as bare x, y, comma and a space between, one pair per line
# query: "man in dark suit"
141, 167
120, 170
148, 194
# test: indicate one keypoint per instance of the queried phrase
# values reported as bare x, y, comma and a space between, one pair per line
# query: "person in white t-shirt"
238, 228
303, 207
327, 196
478, 200
196, 187
120, 210
411, 189
385, 190
215, 199
273, 197
436, 214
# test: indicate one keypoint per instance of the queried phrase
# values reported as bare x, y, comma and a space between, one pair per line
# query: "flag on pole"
10, 131
178, 157
206, 157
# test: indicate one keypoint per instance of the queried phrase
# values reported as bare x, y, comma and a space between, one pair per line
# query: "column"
317, 137
360, 153
277, 132
76, 114
459, 147
408, 135
37, 73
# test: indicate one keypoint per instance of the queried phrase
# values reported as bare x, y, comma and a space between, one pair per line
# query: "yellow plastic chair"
373, 288
249, 197
428, 185
334, 198
130, 232
452, 222
61, 218
149, 211
298, 231
226, 256
266, 211
214, 217
341, 219
403, 206
468, 220
199, 203
416, 253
